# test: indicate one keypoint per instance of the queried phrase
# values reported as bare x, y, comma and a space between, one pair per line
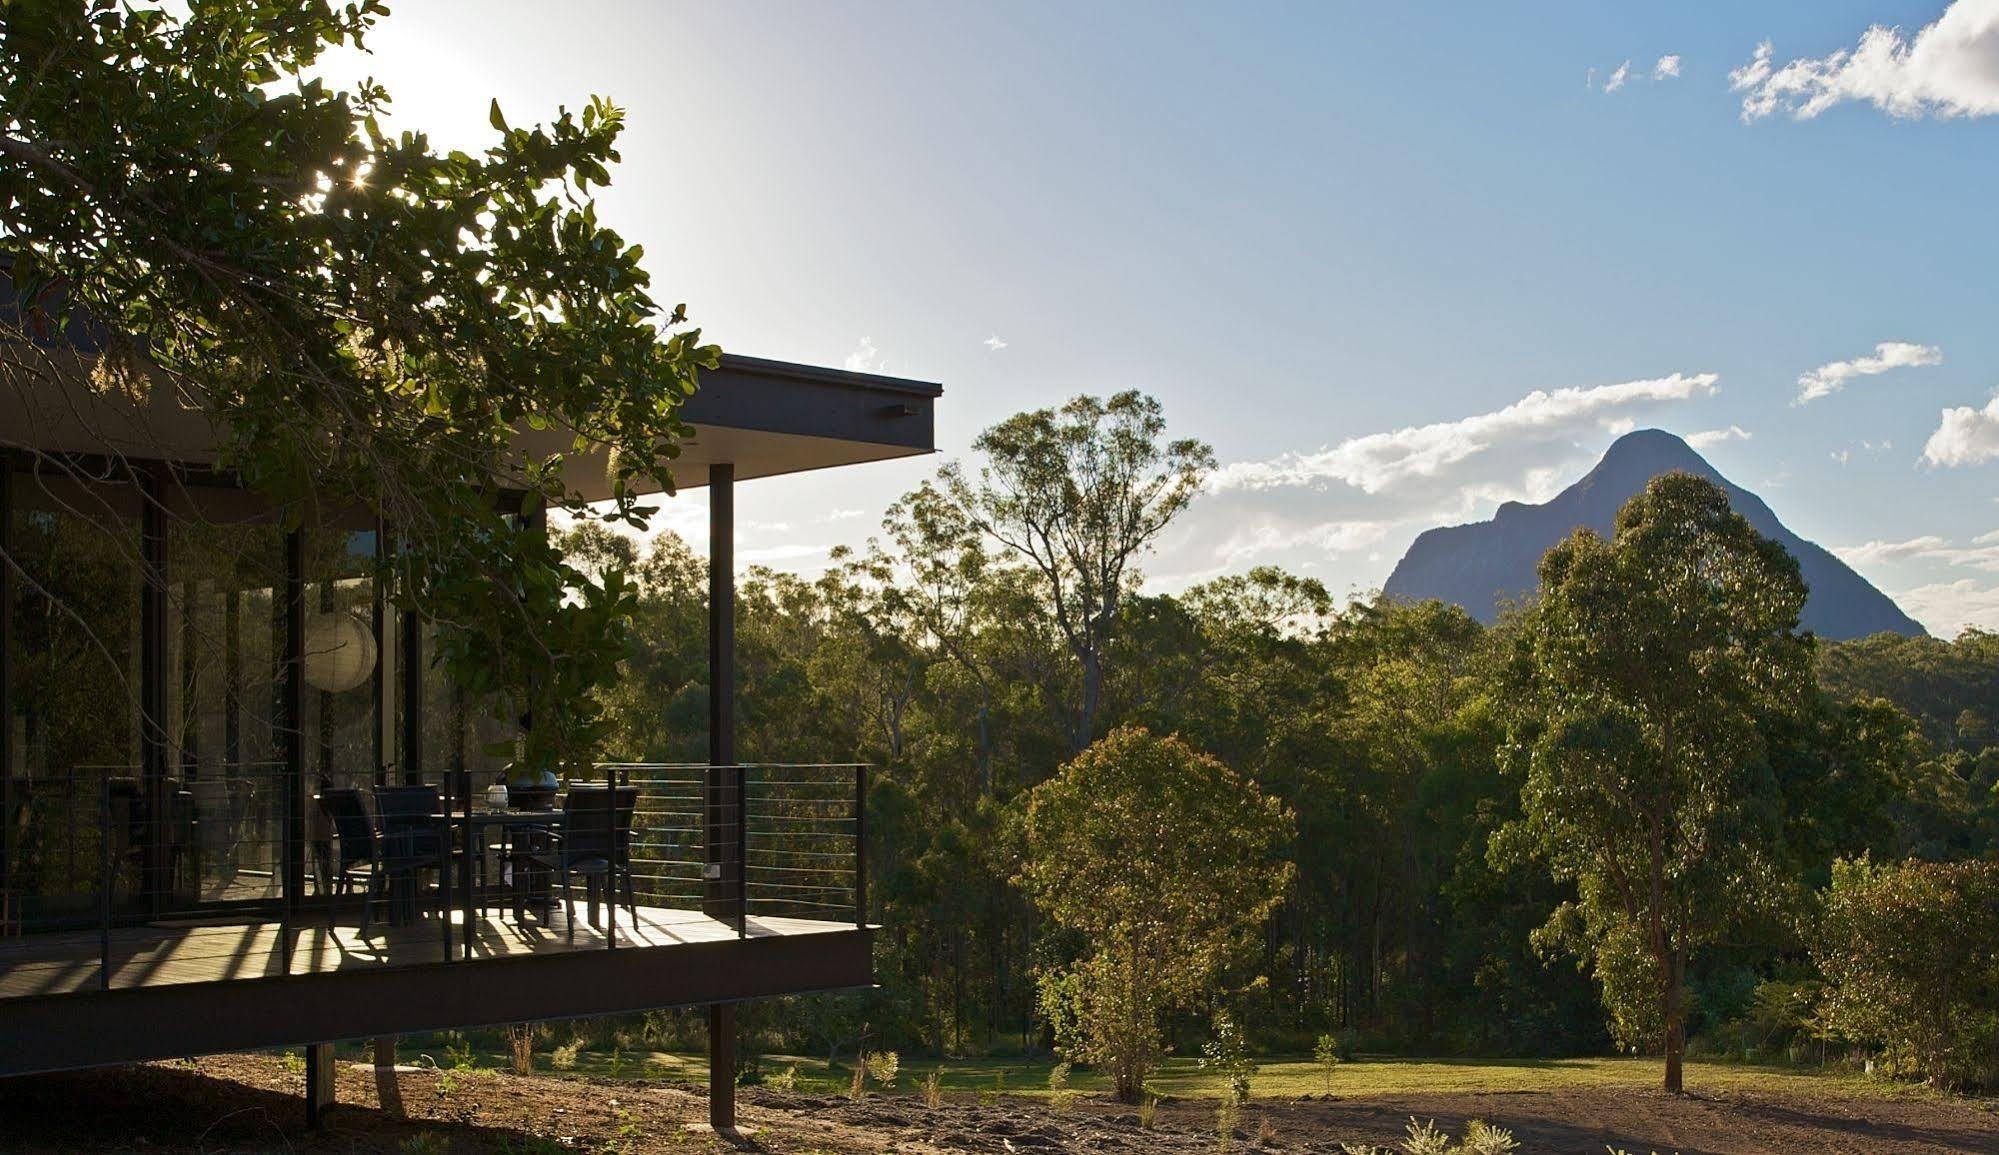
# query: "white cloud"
1831, 377
846, 514
1589, 78
1842, 456
994, 343
1267, 538
1982, 554
1710, 437
1618, 77
1946, 608
1380, 461
1869, 552
862, 359
766, 555
1949, 68
1667, 68
1965, 436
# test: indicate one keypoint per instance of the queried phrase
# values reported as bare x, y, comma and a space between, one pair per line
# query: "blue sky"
1345, 244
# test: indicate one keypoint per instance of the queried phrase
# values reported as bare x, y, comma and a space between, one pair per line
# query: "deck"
167, 953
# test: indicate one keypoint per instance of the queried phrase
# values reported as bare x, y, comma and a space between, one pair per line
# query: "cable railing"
113, 877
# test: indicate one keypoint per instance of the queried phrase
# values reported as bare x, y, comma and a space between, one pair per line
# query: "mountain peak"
1485, 564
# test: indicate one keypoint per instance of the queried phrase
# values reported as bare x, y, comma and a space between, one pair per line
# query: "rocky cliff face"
1486, 564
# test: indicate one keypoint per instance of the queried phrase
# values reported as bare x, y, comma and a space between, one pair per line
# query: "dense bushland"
962, 653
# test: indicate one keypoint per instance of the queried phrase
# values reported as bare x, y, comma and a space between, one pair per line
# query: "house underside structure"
194, 697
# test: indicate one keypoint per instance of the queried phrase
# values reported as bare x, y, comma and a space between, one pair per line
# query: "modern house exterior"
186, 687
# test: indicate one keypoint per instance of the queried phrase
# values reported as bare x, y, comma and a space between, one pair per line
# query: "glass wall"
72, 716
143, 720
224, 650
343, 650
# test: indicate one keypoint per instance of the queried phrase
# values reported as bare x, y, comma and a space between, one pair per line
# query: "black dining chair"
413, 833
595, 842
357, 851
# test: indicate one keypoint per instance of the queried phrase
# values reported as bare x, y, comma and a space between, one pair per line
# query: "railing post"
104, 887
742, 852
861, 845
613, 800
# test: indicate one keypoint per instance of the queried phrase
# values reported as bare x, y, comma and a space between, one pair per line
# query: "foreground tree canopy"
1647, 666
368, 317
1165, 864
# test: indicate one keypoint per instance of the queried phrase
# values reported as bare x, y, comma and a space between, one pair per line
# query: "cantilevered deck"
205, 952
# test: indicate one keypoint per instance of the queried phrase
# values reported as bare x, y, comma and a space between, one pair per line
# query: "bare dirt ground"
251, 1104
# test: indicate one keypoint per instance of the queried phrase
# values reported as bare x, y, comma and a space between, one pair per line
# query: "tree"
366, 318
1910, 952
1164, 863
1643, 671
1079, 493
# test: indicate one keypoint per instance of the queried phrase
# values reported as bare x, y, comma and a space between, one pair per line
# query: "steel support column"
724, 877
291, 735
155, 868
8, 911
319, 1081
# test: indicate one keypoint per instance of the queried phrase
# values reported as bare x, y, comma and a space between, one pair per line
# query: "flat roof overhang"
764, 417
769, 418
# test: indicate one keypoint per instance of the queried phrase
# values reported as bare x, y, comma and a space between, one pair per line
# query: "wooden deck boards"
37, 964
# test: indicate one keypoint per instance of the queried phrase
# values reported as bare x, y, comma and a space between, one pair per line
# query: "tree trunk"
1093, 687
1676, 1030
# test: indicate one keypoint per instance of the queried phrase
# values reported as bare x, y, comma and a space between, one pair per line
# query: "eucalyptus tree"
1077, 494
1166, 864
1644, 670
366, 316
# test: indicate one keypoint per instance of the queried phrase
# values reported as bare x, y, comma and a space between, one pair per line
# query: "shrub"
1227, 1055
1427, 1138
1482, 1138
882, 1067
1910, 953
520, 1048
1060, 1097
1326, 1053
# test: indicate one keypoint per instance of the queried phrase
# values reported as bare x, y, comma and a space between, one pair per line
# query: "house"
207, 717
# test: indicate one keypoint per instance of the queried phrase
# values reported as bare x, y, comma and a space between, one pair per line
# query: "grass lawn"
1277, 1077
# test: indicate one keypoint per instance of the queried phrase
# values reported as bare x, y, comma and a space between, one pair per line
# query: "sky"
1396, 263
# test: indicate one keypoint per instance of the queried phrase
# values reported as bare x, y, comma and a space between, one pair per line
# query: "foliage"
1481, 1138
1426, 1138
1326, 1053
1228, 1111
1060, 1097
883, 1067
1910, 953
362, 315
1227, 1054
1077, 493
1164, 862
520, 1048
1379, 725
1646, 669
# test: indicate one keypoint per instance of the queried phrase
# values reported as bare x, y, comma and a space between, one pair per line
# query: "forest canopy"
1388, 731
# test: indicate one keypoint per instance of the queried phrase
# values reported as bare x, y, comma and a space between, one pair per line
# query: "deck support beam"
318, 1083
724, 871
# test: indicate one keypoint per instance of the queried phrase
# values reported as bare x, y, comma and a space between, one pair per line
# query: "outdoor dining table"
473, 827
